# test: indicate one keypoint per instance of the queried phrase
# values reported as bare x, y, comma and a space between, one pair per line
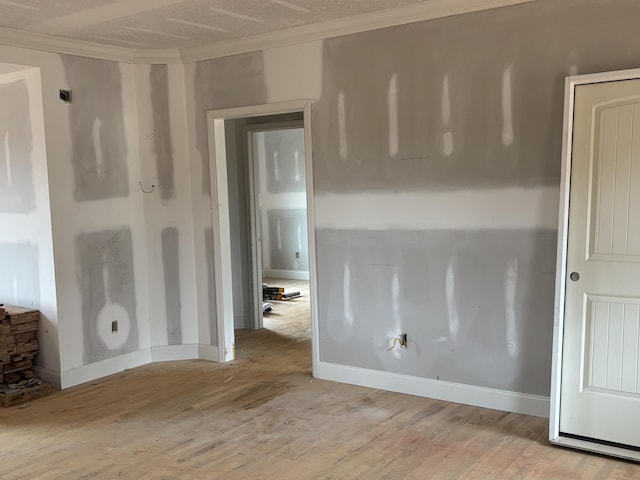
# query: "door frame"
555, 435
220, 218
255, 211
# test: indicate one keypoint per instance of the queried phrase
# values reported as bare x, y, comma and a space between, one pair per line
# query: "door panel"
611, 359
600, 378
614, 229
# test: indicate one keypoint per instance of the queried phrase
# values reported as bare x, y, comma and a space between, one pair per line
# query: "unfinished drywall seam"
161, 134
99, 144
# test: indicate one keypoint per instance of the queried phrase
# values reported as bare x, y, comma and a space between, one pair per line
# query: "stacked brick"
18, 343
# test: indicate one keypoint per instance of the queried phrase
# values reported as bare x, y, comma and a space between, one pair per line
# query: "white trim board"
561, 266
48, 375
521, 403
170, 353
50, 43
285, 274
208, 352
104, 368
94, 371
425, 10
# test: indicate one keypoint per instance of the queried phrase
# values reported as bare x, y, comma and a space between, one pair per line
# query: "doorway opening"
263, 230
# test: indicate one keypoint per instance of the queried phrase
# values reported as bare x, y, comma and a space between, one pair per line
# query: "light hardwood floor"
264, 417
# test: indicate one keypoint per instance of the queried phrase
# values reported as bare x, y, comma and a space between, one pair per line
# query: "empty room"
319, 239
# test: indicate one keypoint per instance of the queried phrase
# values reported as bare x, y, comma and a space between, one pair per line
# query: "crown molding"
52, 43
390, 17
163, 57
55, 44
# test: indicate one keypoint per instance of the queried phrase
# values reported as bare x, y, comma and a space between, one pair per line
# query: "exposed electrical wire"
400, 340
153, 187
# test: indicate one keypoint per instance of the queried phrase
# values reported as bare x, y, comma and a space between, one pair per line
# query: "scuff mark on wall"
172, 296
226, 82
16, 144
98, 142
159, 79
107, 286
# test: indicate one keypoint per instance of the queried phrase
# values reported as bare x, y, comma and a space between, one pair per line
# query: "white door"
600, 392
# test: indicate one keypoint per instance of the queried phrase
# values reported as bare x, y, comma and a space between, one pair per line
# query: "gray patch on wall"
162, 129
98, 141
285, 161
173, 301
234, 81
211, 284
19, 275
448, 102
16, 144
477, 306
288, 235
108, 293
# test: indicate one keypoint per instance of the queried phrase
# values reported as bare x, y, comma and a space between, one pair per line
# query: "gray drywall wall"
162, 144
172, 296
222, 83
107, 285
280, 155
211, 285
284, 161
287, 230
465, 101
476, 306
468, 103
16, 144
19, 275
99, 146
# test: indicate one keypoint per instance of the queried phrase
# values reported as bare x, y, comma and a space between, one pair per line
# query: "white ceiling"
176, 24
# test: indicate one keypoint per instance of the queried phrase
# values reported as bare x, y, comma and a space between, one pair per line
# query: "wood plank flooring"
264, 417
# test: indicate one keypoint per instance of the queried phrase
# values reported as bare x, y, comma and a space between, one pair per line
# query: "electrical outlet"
297, 254
114, 326
403, 340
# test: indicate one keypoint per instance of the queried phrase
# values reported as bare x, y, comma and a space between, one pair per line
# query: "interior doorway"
263, 221
278, 215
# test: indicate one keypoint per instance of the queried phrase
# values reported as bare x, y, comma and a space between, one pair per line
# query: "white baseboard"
170, 353
93, 371
286, 274
209, 352
48, 375
451, 392
87, 373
